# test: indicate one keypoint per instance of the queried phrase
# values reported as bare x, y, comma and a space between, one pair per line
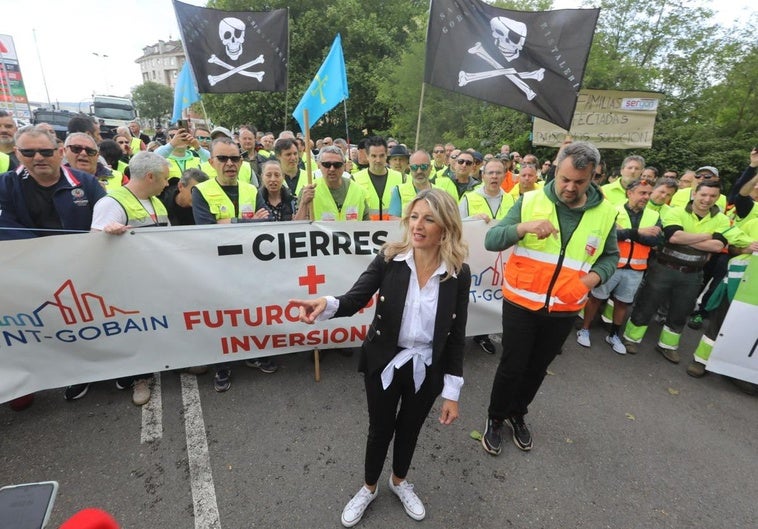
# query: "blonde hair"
453, 249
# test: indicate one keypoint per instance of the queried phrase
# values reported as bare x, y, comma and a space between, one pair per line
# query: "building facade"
161, 62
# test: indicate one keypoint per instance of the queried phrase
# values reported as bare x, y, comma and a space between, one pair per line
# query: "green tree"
153, 100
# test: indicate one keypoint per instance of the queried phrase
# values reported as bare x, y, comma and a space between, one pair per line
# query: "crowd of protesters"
666, 250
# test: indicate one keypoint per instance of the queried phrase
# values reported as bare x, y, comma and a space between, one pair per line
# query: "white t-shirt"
108, 210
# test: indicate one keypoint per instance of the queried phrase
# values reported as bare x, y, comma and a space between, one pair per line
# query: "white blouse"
416, 329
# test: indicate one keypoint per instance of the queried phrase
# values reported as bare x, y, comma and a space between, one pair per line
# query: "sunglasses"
224, 159
77, 149
203, 138
336, 165
416, 167
438, 151
465, 162
704, 176
31, 153
638, 183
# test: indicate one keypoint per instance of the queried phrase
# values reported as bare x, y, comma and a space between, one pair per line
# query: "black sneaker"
492, 440
222, 381
485, 343
77, 391
265, 365
521, 434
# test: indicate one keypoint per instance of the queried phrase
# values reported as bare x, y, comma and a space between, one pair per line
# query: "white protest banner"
610, 119
735, 353
80, 308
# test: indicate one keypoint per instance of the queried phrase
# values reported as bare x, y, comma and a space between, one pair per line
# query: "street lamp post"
104, 57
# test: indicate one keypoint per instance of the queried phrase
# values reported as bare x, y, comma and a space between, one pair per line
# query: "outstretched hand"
309, 308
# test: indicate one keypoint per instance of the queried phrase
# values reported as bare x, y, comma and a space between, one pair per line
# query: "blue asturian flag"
327, 89
185, 92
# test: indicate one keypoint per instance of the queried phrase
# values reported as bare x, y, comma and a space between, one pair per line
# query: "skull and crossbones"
231, 31
510, 37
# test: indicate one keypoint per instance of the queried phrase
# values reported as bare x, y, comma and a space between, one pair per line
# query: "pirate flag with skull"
530, 61
234, 52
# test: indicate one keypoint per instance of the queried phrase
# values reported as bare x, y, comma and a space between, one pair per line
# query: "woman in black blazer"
414, 347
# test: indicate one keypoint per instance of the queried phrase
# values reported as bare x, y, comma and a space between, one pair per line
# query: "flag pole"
347, 128
420, 109
205, 114
308, 171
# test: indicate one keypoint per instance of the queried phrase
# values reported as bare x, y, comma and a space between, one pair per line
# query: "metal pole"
347, 128
39, 59
420, 109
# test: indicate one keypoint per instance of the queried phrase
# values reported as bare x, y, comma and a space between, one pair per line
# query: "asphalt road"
619, 442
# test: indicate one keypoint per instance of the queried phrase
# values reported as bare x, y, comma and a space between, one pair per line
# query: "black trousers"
531, 340
386, 420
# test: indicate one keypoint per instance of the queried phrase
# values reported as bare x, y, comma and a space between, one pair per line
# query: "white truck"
111, 111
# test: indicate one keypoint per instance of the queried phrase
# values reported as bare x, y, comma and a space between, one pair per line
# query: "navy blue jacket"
74, 199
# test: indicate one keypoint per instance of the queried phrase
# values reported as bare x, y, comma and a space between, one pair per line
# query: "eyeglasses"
438, 151
31, 153
203, 138
417, 166
224, 159
336, 165
77, 149
705, 176
466, 162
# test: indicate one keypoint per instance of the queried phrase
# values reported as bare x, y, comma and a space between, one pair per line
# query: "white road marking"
203, 489
152, 413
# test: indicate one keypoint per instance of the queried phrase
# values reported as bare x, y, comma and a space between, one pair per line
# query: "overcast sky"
70, 33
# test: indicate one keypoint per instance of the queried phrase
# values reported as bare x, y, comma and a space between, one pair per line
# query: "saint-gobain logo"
73, 309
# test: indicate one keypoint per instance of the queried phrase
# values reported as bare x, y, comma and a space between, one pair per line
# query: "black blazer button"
454, 315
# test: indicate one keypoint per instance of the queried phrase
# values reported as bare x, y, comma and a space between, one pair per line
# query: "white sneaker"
615, 342
583, 337
141, 391
353, 511
413, 506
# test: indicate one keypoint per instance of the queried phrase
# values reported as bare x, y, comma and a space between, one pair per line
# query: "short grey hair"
583, 154
633, 158
193, 174
35, 132
330, 149
80, 135
146, 162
